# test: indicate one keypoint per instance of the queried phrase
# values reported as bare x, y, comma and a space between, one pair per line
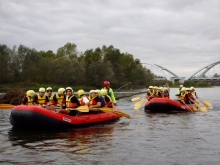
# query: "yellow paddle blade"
6, 106
139, 104
194, 108
197, 102
207, 104
109, 110
84, 108
203, 109
135, 98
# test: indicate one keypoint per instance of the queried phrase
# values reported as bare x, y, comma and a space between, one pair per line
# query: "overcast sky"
180, 35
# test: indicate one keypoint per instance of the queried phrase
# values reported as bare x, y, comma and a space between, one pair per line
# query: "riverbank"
36, 86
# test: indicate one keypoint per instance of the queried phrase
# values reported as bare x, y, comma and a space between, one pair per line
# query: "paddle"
203, 109
193, 107
83, 108
185, 105
109, 110
139, 104
206, 103
135, 98
6, 106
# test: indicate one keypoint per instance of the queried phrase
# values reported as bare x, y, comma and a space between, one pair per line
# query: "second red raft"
165, 105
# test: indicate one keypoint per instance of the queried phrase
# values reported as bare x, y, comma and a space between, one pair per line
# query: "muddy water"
186, 138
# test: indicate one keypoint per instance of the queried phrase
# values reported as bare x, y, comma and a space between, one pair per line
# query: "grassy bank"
36, 86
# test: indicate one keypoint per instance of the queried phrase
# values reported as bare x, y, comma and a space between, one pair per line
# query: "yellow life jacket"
69, 104
30, 101
151, 94
59, 99
182, 96
41, 100
50, 98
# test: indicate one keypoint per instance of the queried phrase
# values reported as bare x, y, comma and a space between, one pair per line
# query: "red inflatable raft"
167, 105
34, 116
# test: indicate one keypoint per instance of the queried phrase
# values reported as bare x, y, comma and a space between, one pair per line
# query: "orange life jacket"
69, 104
92, 101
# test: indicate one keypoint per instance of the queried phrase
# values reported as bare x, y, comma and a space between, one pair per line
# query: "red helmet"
106, 83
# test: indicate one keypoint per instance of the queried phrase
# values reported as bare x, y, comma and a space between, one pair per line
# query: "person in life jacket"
160, 92
28, 99
83, 99
194, 92
71, 103
108, 100
102, 100
49, 94
150, 93
110, 92
59, 99
155, 91
183, 96
94, 102
178, 91
41, 99
166, 93
190, 95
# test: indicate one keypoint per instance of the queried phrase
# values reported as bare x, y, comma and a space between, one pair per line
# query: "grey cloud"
179, 35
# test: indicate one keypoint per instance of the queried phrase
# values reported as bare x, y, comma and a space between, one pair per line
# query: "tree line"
69, 67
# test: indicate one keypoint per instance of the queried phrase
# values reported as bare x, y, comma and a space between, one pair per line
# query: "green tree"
69, 50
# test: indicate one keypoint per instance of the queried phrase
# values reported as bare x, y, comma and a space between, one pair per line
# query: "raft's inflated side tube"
165, 105
22, 118
33, 116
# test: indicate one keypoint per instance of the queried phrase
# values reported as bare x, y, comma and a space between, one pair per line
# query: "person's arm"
35, 100
85, 100
54, 101
97, 99
47, 101
75, 100
112, 95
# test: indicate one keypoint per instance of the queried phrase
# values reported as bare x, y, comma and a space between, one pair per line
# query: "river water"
176, 139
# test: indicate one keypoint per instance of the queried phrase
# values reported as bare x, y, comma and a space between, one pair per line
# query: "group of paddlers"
64, 101
185, 95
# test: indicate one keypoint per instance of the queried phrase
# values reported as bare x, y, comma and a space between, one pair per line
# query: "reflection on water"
184, 138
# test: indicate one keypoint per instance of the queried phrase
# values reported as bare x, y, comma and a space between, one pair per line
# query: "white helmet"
69, 88
49, 88
41, 89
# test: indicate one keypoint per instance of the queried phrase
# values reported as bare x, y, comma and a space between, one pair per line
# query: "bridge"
163, 71
199, 75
